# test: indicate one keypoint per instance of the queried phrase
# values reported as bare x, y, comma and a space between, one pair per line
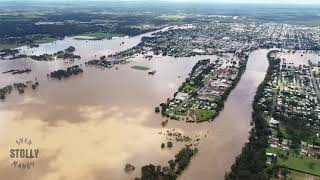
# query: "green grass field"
188, 88
102, 35
295, 175
284, 131
143, 68
45, 40
204, 115
175, 112
37, 40
296, 161
10, 46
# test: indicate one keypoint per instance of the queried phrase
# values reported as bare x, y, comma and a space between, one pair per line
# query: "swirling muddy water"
89, 126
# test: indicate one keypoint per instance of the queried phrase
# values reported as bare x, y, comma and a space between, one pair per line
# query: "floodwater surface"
89, 126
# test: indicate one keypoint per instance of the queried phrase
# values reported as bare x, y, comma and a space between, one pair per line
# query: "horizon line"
164, 1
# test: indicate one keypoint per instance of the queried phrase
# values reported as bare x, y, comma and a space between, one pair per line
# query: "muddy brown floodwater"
230, 130
89, 126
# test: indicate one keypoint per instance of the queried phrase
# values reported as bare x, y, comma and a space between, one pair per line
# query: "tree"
70, 49
102, 57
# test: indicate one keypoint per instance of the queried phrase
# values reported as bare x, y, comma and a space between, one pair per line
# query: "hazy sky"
197, 1
254, 1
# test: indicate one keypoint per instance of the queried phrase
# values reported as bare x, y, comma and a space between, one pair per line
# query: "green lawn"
175, 112
10, 46
45, 40
102, 35
296, 161
143, 68
37, 40
286, 135
188, 88
170, 111
204, 115
295, 175
284, 131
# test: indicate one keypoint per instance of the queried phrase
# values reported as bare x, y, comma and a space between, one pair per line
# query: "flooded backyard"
89, 126
300, 57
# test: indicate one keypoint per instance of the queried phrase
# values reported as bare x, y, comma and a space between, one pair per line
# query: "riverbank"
258, 141
219, 150
98, 35
201, 97
276, 145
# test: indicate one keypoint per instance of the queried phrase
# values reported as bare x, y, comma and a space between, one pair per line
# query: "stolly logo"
24, 155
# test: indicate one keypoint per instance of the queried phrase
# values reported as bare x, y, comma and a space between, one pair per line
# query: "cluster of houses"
183, 107
226, 37
292, 94
306, 149
298, 93
216, 83
198, 98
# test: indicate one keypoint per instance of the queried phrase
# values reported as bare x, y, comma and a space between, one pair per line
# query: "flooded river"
230, 130
89, 126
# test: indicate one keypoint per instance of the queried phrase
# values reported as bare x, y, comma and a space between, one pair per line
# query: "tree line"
251, 163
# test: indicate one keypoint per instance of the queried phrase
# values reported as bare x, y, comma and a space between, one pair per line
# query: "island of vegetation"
11, 54
129, 168
104, 62
143, 68
66, 54
70, 71
19, 87
175, 168
8, 53
17, 71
